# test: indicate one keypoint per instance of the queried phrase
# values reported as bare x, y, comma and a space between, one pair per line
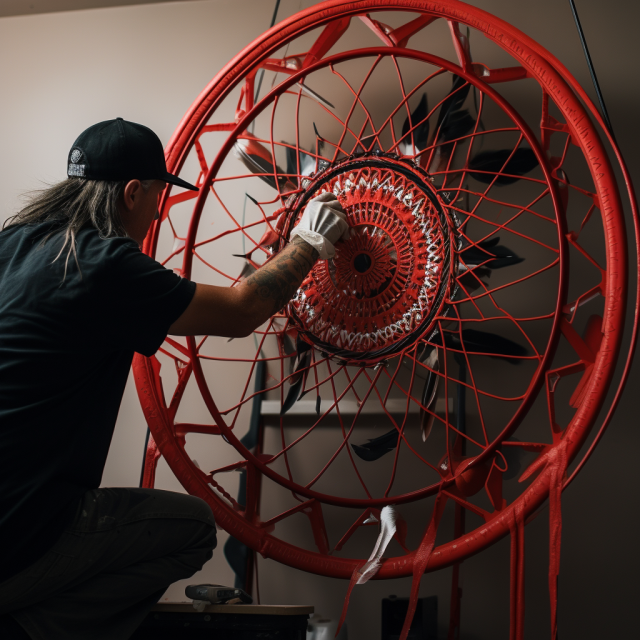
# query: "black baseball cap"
120, 150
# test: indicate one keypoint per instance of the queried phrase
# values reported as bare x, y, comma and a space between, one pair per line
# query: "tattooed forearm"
277, 281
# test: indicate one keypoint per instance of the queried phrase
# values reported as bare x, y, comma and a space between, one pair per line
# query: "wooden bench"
180, 621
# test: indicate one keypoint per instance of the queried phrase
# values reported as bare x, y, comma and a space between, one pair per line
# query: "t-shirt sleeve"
142, 298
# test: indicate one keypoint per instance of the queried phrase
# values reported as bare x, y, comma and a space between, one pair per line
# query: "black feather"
447, 116
295, 390
301, 349
458, 124
421, 132
307, 163
377, 447
483, 251
289, 349
256, 164
292, 397
292, 166
319, 139
494, 345
315, 95
287, 344
300, 371
472, 280
492, 162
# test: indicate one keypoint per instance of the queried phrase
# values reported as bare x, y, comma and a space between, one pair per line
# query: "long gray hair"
73, 204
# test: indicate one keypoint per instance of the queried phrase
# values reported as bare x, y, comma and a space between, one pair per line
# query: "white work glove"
323, 223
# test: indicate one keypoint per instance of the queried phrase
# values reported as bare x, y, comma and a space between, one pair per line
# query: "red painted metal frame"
538, 64
188, 257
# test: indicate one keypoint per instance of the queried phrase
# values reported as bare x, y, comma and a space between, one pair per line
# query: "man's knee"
205, 536
188, 521
200, 509
209, 543
199, 541
159, 504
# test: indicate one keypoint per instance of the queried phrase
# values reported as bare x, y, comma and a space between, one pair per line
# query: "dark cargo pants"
111, 565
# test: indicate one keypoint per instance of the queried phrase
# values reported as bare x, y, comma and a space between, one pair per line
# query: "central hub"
362, 263
389, 278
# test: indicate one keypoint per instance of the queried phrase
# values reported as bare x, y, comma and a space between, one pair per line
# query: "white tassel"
387, 530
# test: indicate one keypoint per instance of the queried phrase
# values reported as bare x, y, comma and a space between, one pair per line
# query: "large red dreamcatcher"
460, 345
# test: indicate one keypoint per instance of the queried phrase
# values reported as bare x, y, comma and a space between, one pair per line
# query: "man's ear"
131, 193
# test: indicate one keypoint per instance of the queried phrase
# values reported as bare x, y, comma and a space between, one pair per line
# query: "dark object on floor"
425, 621
216, 593
11, 630
225, 622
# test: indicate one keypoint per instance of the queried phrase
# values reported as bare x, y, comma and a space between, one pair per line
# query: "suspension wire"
592, 71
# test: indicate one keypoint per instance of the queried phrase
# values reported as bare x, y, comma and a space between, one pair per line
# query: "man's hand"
237, 311
323, 223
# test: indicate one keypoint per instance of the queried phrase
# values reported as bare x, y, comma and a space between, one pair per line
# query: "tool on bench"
216, 593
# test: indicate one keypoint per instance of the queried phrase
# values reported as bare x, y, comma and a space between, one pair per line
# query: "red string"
557, 471
421, 560
352, 583
516, 525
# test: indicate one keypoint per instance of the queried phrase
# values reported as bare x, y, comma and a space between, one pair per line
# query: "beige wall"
32, 7
61, 72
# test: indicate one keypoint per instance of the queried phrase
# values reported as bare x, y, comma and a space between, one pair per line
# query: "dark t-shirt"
66, 345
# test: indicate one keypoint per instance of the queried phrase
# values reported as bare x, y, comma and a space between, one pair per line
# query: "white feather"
387, 531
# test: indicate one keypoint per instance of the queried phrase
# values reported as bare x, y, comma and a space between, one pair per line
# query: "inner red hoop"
390, 277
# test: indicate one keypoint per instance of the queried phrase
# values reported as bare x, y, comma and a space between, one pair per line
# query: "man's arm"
235, 312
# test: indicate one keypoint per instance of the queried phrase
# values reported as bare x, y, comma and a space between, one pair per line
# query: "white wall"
61, 72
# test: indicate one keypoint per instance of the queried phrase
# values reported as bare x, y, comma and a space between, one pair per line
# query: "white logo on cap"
76, 155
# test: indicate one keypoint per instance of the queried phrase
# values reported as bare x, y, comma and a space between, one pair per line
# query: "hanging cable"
592, 71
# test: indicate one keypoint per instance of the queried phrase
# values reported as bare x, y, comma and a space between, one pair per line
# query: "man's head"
130, 153
118, 150
139, 206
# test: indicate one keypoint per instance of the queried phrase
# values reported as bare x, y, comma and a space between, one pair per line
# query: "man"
77, 299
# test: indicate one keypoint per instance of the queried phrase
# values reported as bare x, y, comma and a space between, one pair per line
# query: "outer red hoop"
548, 72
